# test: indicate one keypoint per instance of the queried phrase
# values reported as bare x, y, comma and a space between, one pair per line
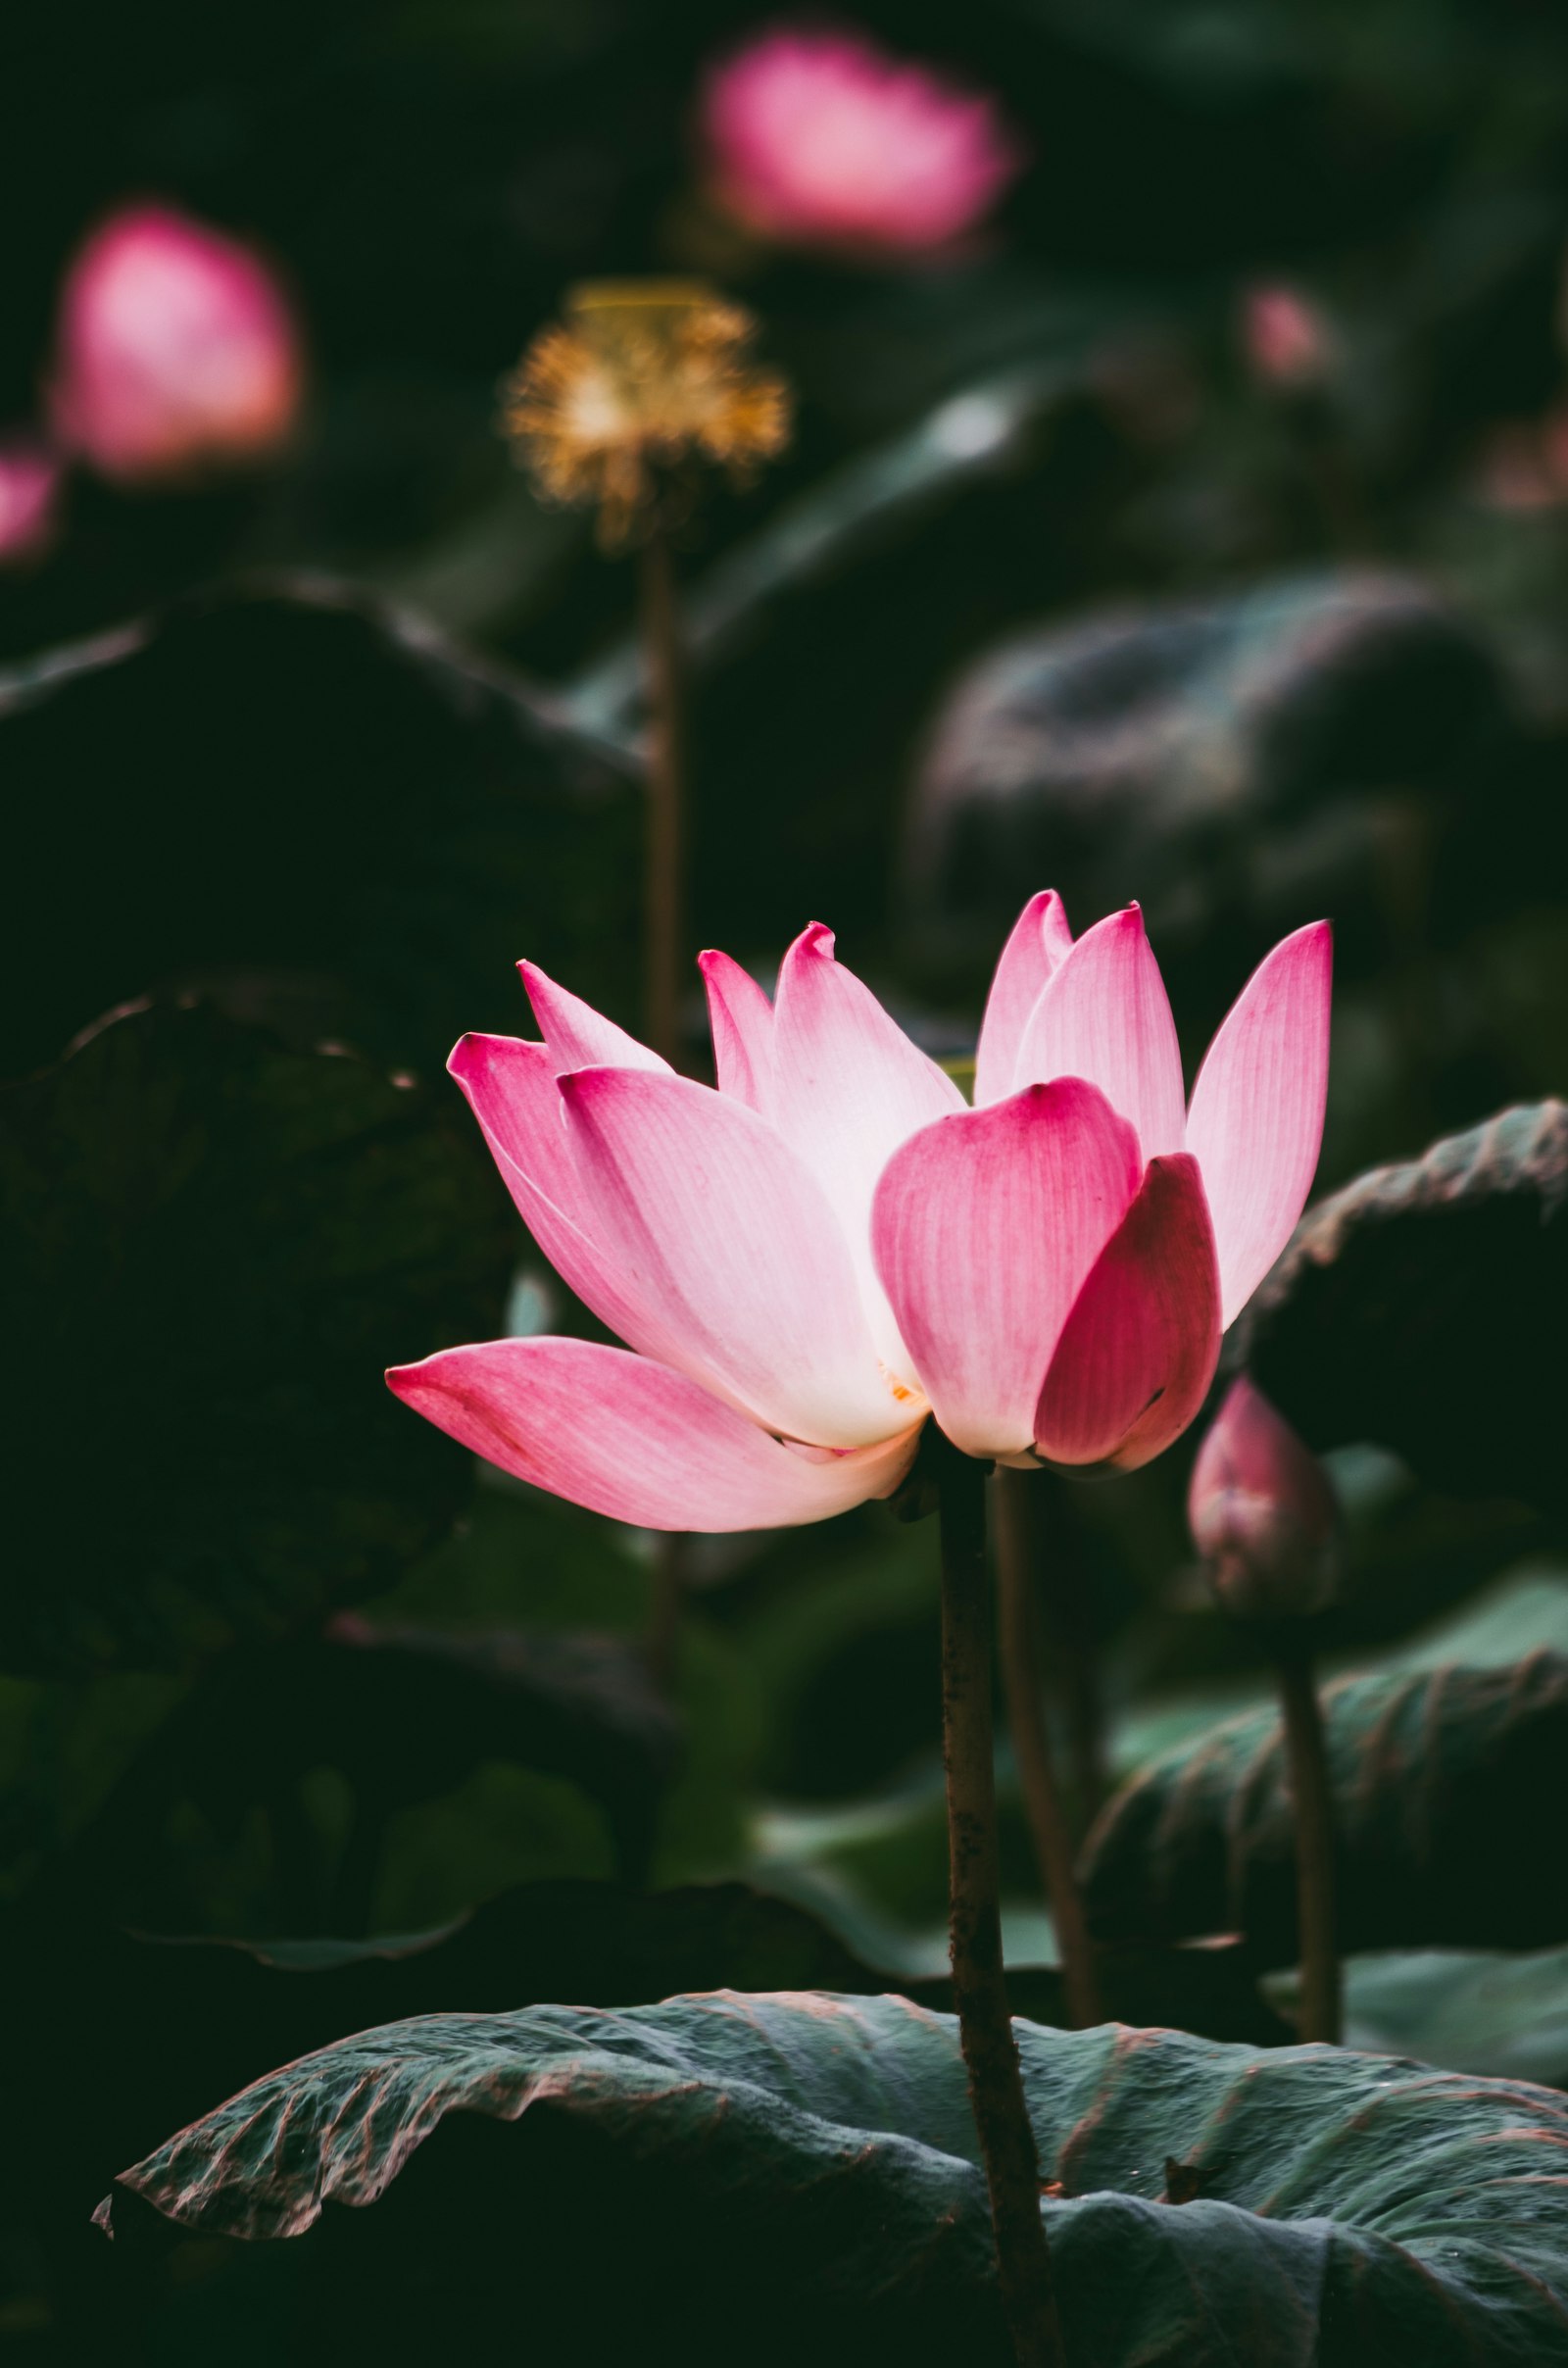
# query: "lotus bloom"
1261, 1511
178, 352
29, 488
830, 1248
818, 138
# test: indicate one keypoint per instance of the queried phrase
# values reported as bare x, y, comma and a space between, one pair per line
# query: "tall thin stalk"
985, 2027
1031, 1745
1071, 1642
663, 946
665, 860
1306, 1762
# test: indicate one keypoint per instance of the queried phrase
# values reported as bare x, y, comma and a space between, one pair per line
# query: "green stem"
1312, 1801
985, 2027
664, 867
663, 946
1031, 1746
1066, 1600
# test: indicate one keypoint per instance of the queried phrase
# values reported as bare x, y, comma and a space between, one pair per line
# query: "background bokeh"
1057, 585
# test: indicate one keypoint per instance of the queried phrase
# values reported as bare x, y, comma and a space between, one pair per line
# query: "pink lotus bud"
1287, 342
29, 488
818, 138
1261, 1511
178, 352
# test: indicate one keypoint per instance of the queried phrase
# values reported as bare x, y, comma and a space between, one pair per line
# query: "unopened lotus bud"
30, 489
1263, 1513
178, 354
1288, 340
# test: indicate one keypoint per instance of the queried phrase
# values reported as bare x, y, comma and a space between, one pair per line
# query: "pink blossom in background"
1261, 1511
177, 353
30, 491
1287, 339
1524, 465
810, 1260
818, 137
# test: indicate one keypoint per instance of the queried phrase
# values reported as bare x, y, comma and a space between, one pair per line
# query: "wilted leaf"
1441, 1781
215, 1245
809, 2161
1425, 1306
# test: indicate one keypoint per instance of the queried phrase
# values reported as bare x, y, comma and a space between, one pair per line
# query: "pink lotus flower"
1261, 1511
30, 489
816, 137
833, 1246
178, 352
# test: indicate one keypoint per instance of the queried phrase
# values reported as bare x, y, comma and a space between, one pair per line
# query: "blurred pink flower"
29, 490
810, 1260
1261, 1511
1288, 340
816, 137
177, 353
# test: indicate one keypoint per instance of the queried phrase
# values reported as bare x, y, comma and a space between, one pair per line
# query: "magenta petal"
578, 1036
1105, 1015
984, 1227
850, 1088
741, 1019
1039, 940
1137, 1352
629, 1438
1256, 1118
741, 1276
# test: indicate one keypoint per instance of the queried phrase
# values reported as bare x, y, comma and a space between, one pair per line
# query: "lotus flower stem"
990, 2051
663, 877
1031, 1746
1312, 1801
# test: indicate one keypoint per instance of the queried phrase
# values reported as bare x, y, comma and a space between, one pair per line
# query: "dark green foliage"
1347, 2207
214, 1244
1440, 1780
1425, 1305
312, 802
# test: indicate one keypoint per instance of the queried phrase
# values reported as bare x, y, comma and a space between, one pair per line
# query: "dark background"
309, 757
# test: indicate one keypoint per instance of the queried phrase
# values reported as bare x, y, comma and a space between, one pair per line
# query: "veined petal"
850, 1088
1256, 1118
1105, 1015
985, 1226
578, 1036
741, 1019
1039, 940
1137, 1352
740, 1275
514, 1092
627, 1437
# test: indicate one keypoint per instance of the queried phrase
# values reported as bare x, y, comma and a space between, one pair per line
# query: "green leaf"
1474, 2010
1440, 1777
213, 1245
1424, 1304
811, 2159
298, 778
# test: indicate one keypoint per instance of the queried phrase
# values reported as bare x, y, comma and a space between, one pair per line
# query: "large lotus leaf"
1210, 753
214, 1246
1425, 1305
814, 2154
1439, 1778
300, 781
